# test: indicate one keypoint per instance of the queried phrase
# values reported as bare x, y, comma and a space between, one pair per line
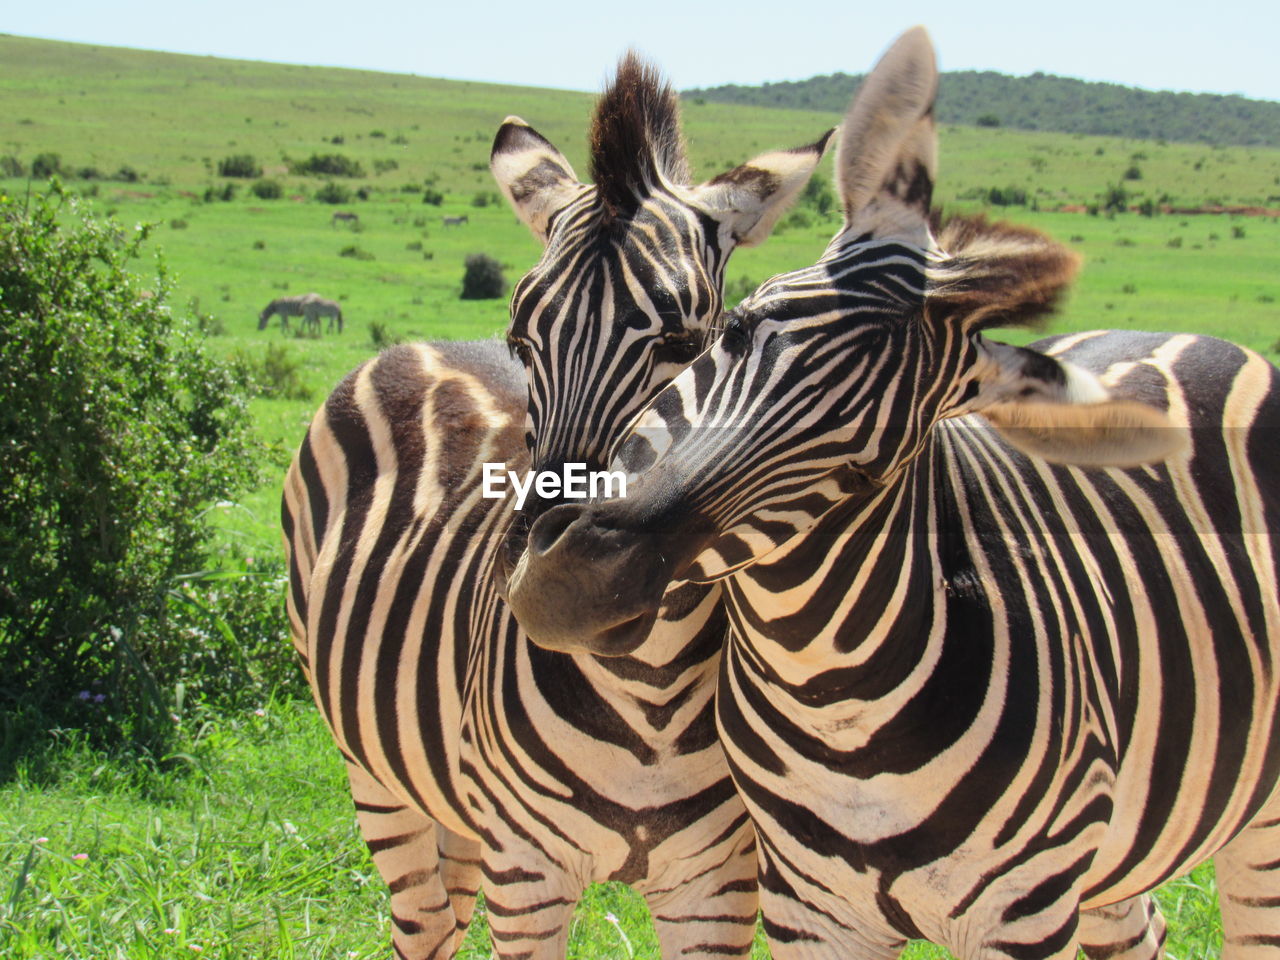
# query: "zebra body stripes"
472, 753
970, 694
311, 307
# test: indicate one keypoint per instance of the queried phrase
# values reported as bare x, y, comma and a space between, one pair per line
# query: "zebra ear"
1053, 410
749, 199
888, 150
534, 176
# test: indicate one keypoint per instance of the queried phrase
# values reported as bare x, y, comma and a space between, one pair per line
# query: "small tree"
483, 279
241, 165
119, 431
432, 196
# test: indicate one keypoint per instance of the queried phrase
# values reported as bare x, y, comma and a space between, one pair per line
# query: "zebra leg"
460, 868
799, 928
712, 914
530, 905
1132, 929
405, 846
1248, 873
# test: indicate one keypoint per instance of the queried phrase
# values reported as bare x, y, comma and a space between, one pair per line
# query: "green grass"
245, 846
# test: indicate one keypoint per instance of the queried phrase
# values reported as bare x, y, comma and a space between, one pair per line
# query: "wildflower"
171, 930
259, 712
175, 718
194, 946
84, 695
99, 697
79, 856
41, 840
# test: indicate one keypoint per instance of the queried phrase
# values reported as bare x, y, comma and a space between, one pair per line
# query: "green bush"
11, 166
225, 193
432, 196
327, 165
333, 192
266, 189
46, 165
274, 372
482, 278
126, 174
119, 432
241, 165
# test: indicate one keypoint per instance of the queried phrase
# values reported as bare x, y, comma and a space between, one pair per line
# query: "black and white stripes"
474, 756
1005, 621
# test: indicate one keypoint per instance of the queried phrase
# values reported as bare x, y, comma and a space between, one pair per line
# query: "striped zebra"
470, 752
311, 307
988, 681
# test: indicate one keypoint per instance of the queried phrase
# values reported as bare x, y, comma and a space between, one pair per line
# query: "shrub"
273, 372
120, 430
266, 189
333, 192
384, 166
988, 120
1134, 172
178, 224
1116, 199
46, 165
432, 196
819, 196
11, 166
355, 253
126, 174
241, 165
327, 165
88, 173
259, 244
482, 278
225, 193
481, 199
1006, 196
381, 337
1237, 232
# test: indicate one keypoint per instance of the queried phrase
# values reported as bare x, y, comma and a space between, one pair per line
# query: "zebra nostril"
550, 527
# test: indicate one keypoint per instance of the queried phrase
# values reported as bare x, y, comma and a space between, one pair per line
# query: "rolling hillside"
1045, 102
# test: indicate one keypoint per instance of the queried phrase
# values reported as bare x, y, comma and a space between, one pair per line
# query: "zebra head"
631, 274
825, 385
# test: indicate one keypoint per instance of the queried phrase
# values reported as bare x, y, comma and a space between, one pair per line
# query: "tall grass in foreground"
244, 846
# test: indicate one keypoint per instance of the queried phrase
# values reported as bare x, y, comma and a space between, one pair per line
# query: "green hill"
1045, 102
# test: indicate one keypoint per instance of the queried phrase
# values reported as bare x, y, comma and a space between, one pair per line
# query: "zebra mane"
997, 274
635, 137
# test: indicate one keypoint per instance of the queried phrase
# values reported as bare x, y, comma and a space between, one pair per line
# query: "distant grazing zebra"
311, 307
469, 749
344, 216
455, 221
968, 693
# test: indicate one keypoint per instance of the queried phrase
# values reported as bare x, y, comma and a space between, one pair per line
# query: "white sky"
1173, 45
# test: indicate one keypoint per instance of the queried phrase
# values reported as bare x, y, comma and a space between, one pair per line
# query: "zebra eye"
678, 348
520, 350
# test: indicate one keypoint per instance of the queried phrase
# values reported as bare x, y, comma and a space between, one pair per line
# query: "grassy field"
248, 848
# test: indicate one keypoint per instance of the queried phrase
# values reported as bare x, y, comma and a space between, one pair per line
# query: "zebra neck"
851, 606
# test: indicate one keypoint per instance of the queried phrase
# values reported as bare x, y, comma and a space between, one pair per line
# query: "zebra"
1004, 621
469, 751
311, 307
344, 216
455, 221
